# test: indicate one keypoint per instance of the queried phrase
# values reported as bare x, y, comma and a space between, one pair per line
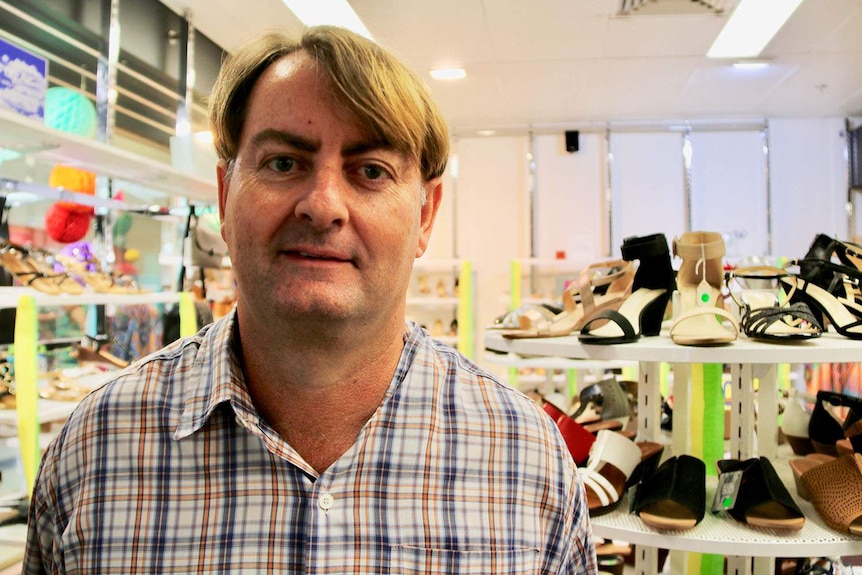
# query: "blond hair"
381, 92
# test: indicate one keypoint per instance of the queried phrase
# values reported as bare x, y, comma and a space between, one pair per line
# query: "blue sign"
23, 81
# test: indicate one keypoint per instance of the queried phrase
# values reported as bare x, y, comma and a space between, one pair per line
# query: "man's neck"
318, 393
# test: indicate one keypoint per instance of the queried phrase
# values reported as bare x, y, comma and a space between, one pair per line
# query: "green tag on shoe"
727, 491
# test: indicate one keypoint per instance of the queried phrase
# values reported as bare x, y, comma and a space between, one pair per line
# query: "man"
312, 429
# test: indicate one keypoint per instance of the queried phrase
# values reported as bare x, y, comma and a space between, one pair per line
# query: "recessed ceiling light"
448, 73
331, 12
750, 28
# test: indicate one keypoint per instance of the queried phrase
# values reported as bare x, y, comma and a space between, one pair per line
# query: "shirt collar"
216, 375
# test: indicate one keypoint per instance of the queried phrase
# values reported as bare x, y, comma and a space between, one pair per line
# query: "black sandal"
762, 500
763, 316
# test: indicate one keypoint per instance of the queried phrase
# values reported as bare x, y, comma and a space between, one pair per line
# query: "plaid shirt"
170, 469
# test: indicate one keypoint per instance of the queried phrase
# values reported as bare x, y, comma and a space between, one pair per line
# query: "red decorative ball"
64, 225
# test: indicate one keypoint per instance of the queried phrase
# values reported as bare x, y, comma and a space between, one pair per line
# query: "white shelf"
551, 362
10, 296
433, 301
723, 535
35, 139
829, 348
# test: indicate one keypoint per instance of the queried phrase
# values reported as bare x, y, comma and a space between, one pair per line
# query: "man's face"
322, 222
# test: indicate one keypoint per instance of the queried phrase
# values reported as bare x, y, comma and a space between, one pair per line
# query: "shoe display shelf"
33, 139
539, 280
444, 289
753, 432
544, 280
577, 372
32, 411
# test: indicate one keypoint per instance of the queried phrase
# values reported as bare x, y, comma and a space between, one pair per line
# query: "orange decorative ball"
73, 180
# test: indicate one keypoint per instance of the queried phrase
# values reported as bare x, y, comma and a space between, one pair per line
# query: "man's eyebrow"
271, 135
365, 146
287, 138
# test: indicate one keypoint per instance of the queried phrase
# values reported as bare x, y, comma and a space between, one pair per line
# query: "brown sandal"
834, 487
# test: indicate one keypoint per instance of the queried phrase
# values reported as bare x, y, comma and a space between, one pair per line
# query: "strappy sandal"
674, 497
762, 499
763, 315
702, 317
511, 321
613, 278
834, 487
835, 302
642, 312
18, 262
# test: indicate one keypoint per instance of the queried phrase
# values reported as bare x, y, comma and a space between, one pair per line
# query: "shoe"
795, 422
18, 262
764, 316
844, 315
674, 497
762, 500
826, 427
512, 320
699, 282
608, 400
612, 461
47, 263
642, 312
834, 487
581, 301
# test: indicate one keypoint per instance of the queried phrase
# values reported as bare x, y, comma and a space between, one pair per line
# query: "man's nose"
324, 202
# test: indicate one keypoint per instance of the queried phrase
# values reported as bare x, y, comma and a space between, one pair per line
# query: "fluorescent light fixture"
750, 28
448, 73
331, 12
751, 65
487, 132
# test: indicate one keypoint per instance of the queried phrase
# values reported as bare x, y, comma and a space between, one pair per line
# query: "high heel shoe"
18, 262
641, 313
593, 292
843, 313
826, 427
699, 283
763, 315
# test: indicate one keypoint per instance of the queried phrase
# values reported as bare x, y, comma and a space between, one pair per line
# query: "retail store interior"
581, 130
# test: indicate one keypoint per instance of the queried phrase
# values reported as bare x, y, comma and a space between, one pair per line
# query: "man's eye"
373, 172
282, 164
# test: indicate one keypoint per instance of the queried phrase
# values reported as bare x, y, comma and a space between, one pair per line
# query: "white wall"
808, 182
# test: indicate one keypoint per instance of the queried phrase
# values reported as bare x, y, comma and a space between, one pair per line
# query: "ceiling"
578, 64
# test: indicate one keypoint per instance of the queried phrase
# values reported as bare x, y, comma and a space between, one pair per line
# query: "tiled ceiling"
548, 64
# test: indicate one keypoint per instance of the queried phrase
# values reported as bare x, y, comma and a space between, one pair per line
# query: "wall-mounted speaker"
572, 141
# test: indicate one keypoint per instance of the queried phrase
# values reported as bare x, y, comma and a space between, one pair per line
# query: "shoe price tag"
727, 491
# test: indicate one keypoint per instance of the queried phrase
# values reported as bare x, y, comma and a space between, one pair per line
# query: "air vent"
671, 7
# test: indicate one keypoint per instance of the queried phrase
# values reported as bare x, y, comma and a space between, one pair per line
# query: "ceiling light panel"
750, 28
329, 12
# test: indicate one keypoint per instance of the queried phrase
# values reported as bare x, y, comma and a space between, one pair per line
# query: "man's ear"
223, 188
433, 196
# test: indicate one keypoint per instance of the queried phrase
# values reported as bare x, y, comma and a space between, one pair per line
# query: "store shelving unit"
461, 305
754, 549
33, 139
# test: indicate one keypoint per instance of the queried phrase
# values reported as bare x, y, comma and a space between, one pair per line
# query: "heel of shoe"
653, 315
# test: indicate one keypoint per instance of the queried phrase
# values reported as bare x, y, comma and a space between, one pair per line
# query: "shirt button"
325, 501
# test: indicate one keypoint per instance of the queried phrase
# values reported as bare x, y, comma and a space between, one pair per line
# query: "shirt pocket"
422, 561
